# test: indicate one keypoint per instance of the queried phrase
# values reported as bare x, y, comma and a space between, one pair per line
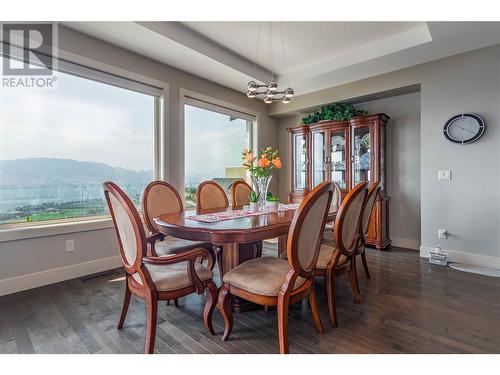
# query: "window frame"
211, 104
106, 74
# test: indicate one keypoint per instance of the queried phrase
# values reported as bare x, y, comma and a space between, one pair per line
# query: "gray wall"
403, 163
468, 206
20, 259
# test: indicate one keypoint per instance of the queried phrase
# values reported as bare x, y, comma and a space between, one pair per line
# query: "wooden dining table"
239, 238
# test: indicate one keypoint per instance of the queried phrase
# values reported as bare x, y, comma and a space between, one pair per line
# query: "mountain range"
52, 171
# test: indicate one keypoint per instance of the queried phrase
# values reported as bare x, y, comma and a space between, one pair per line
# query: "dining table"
238, 238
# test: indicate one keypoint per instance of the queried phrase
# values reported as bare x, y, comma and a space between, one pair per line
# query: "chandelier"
270, 90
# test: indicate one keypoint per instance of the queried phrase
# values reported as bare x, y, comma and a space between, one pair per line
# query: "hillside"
51, 171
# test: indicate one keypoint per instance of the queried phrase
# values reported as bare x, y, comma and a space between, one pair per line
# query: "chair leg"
224, 303
330, 293
283, 303
212, 259
365, 265
126, 302
353, 281
210, 306
314, 310
218, 254
152, 311
176, 302
356, 274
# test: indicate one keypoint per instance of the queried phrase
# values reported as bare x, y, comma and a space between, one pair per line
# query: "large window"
214, 139
57, 147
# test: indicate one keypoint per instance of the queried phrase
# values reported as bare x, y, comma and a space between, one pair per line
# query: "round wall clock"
464, 128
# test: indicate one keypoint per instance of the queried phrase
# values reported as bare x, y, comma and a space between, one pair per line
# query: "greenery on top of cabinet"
334, 111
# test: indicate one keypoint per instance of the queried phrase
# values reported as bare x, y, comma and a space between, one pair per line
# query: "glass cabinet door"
338, 158
300, 158
318, 158
361, 148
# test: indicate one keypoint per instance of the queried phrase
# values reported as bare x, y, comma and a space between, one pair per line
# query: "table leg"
230, 257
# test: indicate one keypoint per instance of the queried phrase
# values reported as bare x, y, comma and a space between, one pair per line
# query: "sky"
213, 142
85, 120
80, 119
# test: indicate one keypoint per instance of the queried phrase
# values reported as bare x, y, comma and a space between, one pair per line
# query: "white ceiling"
316, 55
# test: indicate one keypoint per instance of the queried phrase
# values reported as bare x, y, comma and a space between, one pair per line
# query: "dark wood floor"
408, 306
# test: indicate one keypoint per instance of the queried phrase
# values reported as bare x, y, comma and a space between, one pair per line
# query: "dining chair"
162, 198
210, 195
240, 192
339, 259
271, 281
154, 278
334, 206
371, 197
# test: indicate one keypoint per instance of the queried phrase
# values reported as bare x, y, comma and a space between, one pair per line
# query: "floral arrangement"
253, 197
263, 165
272, 198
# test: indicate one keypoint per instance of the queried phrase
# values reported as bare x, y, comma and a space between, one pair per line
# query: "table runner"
236, 214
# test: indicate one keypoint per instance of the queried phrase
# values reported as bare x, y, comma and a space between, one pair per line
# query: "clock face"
464, 128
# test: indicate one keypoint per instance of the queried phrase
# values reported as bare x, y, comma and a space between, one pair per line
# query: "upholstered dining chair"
371, 197
338, 259
155, 278
240, 192
334, 206
271, 281
210, 195
161, 198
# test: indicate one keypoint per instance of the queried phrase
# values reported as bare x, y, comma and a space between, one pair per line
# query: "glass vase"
260, 185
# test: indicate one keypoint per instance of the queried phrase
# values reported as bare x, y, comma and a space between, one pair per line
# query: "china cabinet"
344, 152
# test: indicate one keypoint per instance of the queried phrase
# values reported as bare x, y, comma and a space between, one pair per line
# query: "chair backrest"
210, 195
337, 197
306, 230
367, 210
240, 191
348, 220
159, 198
128, 227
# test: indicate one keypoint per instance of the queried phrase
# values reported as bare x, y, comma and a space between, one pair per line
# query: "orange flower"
264, 162
277, 163
249, 157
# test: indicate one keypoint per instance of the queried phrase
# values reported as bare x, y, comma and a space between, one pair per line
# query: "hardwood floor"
408, 306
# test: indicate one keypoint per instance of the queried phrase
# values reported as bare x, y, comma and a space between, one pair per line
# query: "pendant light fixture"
270, 90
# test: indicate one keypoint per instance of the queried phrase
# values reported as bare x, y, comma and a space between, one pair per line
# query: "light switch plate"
444, 175
70, 245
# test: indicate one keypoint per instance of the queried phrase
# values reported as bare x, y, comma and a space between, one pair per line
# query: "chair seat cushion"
263, 276
325, 253
172, 245
174, 276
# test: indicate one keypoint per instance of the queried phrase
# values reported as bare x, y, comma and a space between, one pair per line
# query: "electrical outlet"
442, 233
70, 245
444, 175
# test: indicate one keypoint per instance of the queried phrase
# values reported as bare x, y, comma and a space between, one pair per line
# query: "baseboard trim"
466, 258
55, 275
407, 243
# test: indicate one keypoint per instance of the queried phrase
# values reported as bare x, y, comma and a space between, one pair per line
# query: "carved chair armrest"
189, 256
151, 241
